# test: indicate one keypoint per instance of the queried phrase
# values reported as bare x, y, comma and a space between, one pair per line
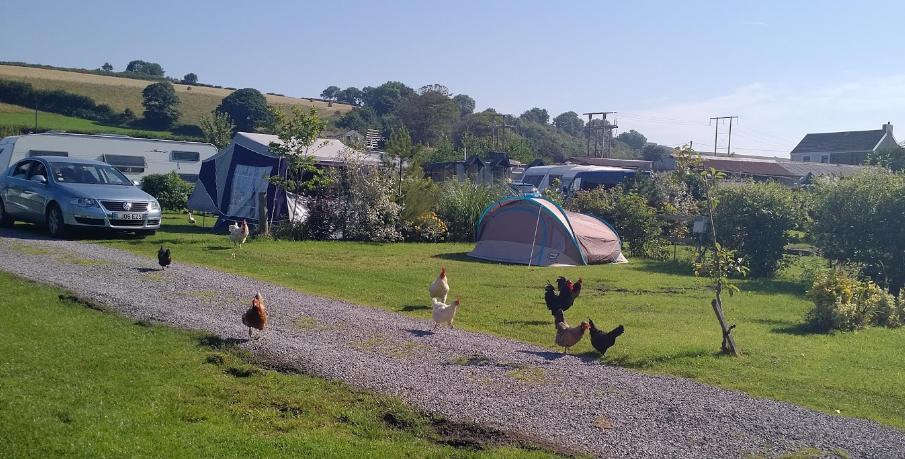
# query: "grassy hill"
15, 116
120, 93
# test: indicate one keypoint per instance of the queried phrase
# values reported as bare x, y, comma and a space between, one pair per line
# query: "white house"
135, 157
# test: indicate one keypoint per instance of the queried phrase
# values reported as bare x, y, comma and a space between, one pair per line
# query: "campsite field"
670, 328
121, 93
79, 382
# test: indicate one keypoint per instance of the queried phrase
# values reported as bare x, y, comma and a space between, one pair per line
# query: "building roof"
614, 162
325, 151
840, 142
777, 167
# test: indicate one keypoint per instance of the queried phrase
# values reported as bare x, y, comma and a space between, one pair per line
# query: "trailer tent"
532, 230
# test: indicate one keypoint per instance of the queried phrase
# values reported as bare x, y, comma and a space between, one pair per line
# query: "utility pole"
716, 130
608, 131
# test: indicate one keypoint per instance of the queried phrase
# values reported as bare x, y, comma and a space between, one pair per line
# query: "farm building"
133, 156
782, 170
849, 147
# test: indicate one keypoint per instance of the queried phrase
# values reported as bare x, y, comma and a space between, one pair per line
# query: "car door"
14, 200
36, 191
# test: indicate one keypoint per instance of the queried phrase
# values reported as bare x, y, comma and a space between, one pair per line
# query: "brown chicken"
568, 336
256, 316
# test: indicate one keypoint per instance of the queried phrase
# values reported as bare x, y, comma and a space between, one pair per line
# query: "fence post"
263, 220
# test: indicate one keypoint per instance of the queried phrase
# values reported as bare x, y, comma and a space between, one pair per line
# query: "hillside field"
15, 116
121, 93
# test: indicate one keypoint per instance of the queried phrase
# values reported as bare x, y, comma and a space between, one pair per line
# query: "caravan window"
191, 178
33, 153
127, 164
188, 156
532, 179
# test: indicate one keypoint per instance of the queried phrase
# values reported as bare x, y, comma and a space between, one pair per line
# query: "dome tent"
534, 231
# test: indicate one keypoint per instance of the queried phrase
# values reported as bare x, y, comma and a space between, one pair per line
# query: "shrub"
426, 227
634, 219
862, 220
844, 303
169, 189
461, 204
754, 219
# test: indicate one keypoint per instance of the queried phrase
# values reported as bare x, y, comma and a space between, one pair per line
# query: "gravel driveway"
577, 404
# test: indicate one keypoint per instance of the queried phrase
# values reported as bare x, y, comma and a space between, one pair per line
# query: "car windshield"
96, 174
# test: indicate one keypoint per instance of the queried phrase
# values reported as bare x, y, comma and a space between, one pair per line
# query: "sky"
785, 68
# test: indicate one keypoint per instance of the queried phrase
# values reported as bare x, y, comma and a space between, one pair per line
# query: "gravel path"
579, 405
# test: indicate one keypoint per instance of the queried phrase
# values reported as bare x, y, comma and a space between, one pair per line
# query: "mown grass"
121, 93
80, 382
670, 327
12, 115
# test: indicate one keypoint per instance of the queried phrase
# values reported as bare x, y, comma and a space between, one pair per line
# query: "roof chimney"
888, 127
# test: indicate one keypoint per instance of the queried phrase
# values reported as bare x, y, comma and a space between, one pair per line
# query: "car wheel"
55, 223
5, 219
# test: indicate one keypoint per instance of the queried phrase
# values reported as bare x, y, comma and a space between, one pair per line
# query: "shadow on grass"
623, 361
419, 333
219, 343
147, 270
787, 327
546, 355
463, 256
528, 322
415, 307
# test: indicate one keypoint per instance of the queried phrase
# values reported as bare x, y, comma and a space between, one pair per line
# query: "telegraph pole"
605, 127
716, 129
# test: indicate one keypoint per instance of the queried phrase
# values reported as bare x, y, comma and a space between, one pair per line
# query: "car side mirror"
40, 179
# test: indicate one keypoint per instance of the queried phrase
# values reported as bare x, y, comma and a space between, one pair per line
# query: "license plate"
127, 216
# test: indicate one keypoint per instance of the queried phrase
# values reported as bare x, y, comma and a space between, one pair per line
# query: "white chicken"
444, 313
191, 218
440, 288
238, 235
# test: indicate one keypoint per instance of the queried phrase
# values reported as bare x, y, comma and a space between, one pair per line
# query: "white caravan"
133, 156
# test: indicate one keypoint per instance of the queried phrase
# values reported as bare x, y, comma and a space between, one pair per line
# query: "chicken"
256, 315
440, 288
602, 340
568, 336
163, 257
563, 300
444, 313
191, 218
238, 234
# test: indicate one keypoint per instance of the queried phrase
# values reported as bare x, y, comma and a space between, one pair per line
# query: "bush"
461, 204
169, 189
844, 303
634, 219
426, 227
754, 219
862, 220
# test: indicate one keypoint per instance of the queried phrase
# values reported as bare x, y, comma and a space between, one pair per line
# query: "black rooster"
566, 296
603, 341
163, 257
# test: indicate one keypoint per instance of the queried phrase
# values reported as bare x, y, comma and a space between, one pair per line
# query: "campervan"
542, 176
573, 177
134, 157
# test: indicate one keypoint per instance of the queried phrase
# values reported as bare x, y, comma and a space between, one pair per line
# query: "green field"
670, 327
79, 382
121, 93
11, 115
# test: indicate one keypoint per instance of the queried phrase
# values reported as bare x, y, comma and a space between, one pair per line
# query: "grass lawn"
12, 115
79, 382
670, 327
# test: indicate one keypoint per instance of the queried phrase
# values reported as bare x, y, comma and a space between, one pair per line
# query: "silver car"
65, 194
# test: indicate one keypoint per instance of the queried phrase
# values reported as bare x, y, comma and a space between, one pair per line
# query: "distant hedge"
57, 101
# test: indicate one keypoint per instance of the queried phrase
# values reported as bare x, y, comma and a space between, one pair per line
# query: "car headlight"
154, 205
84, 202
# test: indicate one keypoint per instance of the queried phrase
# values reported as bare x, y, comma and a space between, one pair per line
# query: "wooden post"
263, 220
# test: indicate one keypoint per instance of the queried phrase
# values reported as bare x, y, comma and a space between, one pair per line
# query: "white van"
541, 176
133, 156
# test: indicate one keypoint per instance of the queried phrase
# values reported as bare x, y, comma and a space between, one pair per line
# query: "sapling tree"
721, 265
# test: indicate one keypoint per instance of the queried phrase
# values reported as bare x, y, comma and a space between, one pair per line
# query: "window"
191, 178
127, 164
188, 156
806, 159
21, 170
825, 159
33, 153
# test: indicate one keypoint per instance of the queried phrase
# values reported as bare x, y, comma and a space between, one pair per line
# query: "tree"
329, 93
655, 152
298, 131
633, 139
146, 68
538, 115
190, 78
160, 101
429, 115
107, 67
889, 158
399, 147
169, 189
217, 128
569, 122
466, 104
360, 119
350, 95
247, 108
386, 97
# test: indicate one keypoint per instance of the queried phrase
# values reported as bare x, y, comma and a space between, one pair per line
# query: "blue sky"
784, 67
